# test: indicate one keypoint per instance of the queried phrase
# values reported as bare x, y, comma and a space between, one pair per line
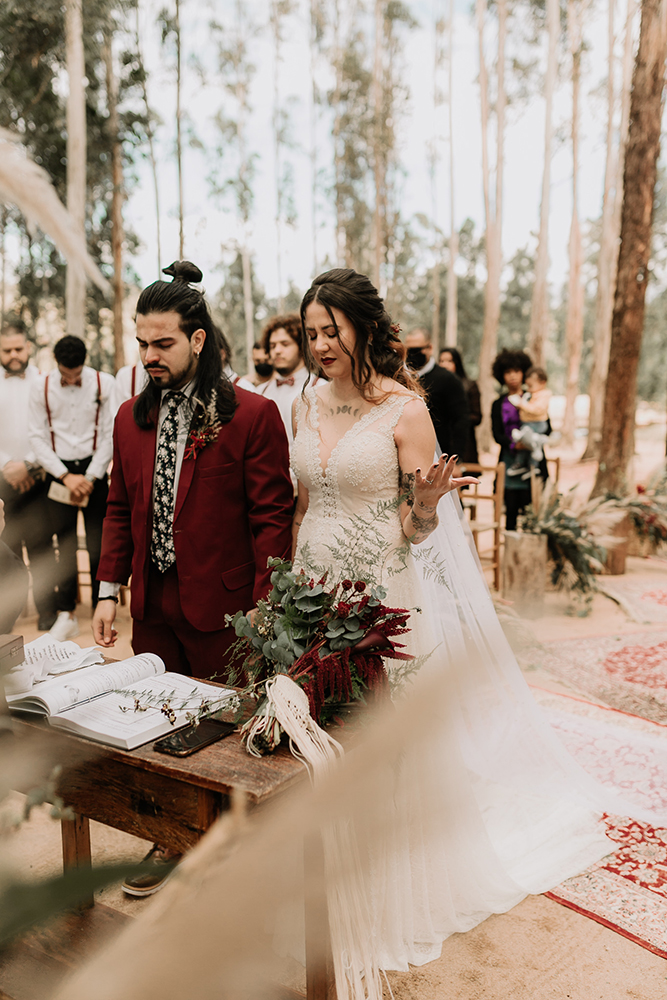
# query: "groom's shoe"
163, 863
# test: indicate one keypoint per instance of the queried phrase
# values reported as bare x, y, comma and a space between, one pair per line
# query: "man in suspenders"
128, 383
70, 425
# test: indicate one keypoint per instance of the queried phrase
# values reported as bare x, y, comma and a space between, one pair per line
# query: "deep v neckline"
322, 469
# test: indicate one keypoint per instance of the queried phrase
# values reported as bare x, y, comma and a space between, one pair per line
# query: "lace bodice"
361, 474
363, 466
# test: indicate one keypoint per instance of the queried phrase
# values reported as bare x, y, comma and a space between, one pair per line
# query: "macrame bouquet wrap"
330, 642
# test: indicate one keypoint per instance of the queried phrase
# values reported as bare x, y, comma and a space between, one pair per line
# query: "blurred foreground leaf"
25, 904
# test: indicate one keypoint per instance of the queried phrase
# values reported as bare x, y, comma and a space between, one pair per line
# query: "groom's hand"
103, 631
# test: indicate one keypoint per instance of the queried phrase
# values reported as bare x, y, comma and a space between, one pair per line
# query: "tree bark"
341, 241
75, 289
151, 143
539, 312
379, 160
611, 226
642, 152
179, 137
574, 325
451, 329
493, 217
116, 203
248, 307
313, 133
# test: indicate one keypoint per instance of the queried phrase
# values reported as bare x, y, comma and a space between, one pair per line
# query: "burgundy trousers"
166, 631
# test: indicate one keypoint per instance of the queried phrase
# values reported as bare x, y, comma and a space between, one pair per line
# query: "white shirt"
74, 410
122, 389
429, 366
284, 395
107, 588
14, 404
238, 380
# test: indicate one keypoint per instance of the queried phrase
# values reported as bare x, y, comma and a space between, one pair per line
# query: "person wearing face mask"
263, 369
445, 394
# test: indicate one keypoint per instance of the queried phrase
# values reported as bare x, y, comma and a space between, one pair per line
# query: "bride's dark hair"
378, 347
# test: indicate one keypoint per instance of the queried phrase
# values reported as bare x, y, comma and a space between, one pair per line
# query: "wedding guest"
70, 422
22, 480
445, 396
450, 359
128, 383
281, 339
13, 582
226, 358
262, 367
509, 369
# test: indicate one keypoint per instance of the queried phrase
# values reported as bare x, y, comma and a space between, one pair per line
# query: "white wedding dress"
493, 808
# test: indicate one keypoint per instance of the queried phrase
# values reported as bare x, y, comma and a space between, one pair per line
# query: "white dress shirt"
284, 395
108, 588
122, 388
14, 404
238, 380
74, 410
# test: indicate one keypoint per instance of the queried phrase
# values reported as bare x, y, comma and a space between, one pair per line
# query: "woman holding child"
511, 412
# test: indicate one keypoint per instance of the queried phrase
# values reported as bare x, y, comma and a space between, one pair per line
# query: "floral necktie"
162, 543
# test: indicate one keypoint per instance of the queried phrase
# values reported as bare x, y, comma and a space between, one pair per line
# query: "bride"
515, 813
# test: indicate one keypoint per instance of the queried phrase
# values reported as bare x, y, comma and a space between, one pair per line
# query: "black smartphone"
192, 738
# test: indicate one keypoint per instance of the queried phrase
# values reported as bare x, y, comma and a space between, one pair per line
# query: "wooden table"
173, 801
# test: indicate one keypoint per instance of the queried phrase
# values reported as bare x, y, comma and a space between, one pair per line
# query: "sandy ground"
539, 950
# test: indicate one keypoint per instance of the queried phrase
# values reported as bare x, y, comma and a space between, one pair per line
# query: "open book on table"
120, 703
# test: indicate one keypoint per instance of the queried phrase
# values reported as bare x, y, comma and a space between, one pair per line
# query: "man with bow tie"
70, 426
281, 339
22, 481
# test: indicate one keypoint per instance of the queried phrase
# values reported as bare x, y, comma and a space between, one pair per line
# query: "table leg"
76, 848
320, 981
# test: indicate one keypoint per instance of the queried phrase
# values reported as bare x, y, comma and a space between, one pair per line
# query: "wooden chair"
492, 513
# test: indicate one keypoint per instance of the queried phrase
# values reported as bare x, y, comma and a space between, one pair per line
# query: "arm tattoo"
406, 487
423, 525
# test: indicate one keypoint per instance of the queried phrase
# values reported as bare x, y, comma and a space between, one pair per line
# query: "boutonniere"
204, 428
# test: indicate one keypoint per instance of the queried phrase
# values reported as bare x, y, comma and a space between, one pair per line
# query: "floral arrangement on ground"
330, 641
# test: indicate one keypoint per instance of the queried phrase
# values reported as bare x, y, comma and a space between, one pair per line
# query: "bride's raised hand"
438, 481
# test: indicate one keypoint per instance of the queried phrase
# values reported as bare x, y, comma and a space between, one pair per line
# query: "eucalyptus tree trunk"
493, 214
179, 131
434, 173
641, 160
539, 312
116, 203
248, 307
341, 243
574, 323
451, 329
312, 48
75, 289
379, 153
150, 135
3, 264
611, 227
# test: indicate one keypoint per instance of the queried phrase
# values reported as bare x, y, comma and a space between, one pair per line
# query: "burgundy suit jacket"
233, 510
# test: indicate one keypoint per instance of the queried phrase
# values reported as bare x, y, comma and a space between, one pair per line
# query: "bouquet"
331, 642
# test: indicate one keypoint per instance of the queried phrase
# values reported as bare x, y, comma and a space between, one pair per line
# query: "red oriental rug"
627, 890
628, 672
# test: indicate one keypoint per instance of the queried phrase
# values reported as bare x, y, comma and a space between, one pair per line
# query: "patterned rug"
644, 601
627, 890
627, 672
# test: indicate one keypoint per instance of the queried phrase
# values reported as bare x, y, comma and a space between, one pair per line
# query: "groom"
200, 491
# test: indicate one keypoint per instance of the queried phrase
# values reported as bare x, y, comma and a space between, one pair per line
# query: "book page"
116, 720
61, 693
53, 656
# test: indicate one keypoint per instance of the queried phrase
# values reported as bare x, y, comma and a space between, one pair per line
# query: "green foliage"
576, 554
32, 104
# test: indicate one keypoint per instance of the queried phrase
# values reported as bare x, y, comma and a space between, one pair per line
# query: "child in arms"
534, 413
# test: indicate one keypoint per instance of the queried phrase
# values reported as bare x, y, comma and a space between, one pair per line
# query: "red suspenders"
134, 381
97, 411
